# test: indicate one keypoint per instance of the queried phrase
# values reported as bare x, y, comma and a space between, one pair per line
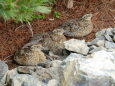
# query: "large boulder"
98, 69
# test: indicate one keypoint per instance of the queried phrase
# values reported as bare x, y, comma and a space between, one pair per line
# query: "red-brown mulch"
11, 40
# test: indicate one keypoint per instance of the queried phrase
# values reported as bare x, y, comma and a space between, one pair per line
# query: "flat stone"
97, 49
96, 41
78, 46
101, 38
73, 56
93, 42
100, 33
109, 45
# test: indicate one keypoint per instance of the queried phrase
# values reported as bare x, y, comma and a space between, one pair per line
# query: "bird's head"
58, 31
87, 16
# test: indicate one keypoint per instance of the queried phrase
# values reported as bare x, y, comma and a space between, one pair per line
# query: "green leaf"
43, 9
23, 10
57, 14
40, 16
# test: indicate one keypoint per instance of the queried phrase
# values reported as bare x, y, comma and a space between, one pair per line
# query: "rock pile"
89, 64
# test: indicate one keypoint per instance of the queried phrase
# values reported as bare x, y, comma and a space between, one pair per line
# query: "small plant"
7, 9
41, 16
23, 10
57, 14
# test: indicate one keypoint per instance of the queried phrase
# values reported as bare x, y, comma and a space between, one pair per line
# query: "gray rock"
114, 31
3, 69
53, 82
113, 52
15, 79
114, 38
24, 70
92, 47
109, 31
100, 33
39, 76
108, 38
89, 66
97, 49
93, 42
78, 46
55, 63
3, 80
97, 42
48, 74
102, 81
101, 38
109, 45
99, 70
100, 43
73, 56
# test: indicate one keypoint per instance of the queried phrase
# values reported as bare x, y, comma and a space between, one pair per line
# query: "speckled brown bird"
31, 55
52, 41
78, 27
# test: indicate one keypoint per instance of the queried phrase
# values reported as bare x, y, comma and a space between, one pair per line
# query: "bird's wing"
39, 36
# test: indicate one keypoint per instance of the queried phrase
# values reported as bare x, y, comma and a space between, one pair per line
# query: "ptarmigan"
78, 27
52, 41
31, 55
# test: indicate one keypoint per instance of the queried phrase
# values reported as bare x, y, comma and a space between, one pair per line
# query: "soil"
12, 39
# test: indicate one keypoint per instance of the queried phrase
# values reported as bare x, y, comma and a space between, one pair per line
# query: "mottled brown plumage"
78, 27
31, 55
52, 41
55, 41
